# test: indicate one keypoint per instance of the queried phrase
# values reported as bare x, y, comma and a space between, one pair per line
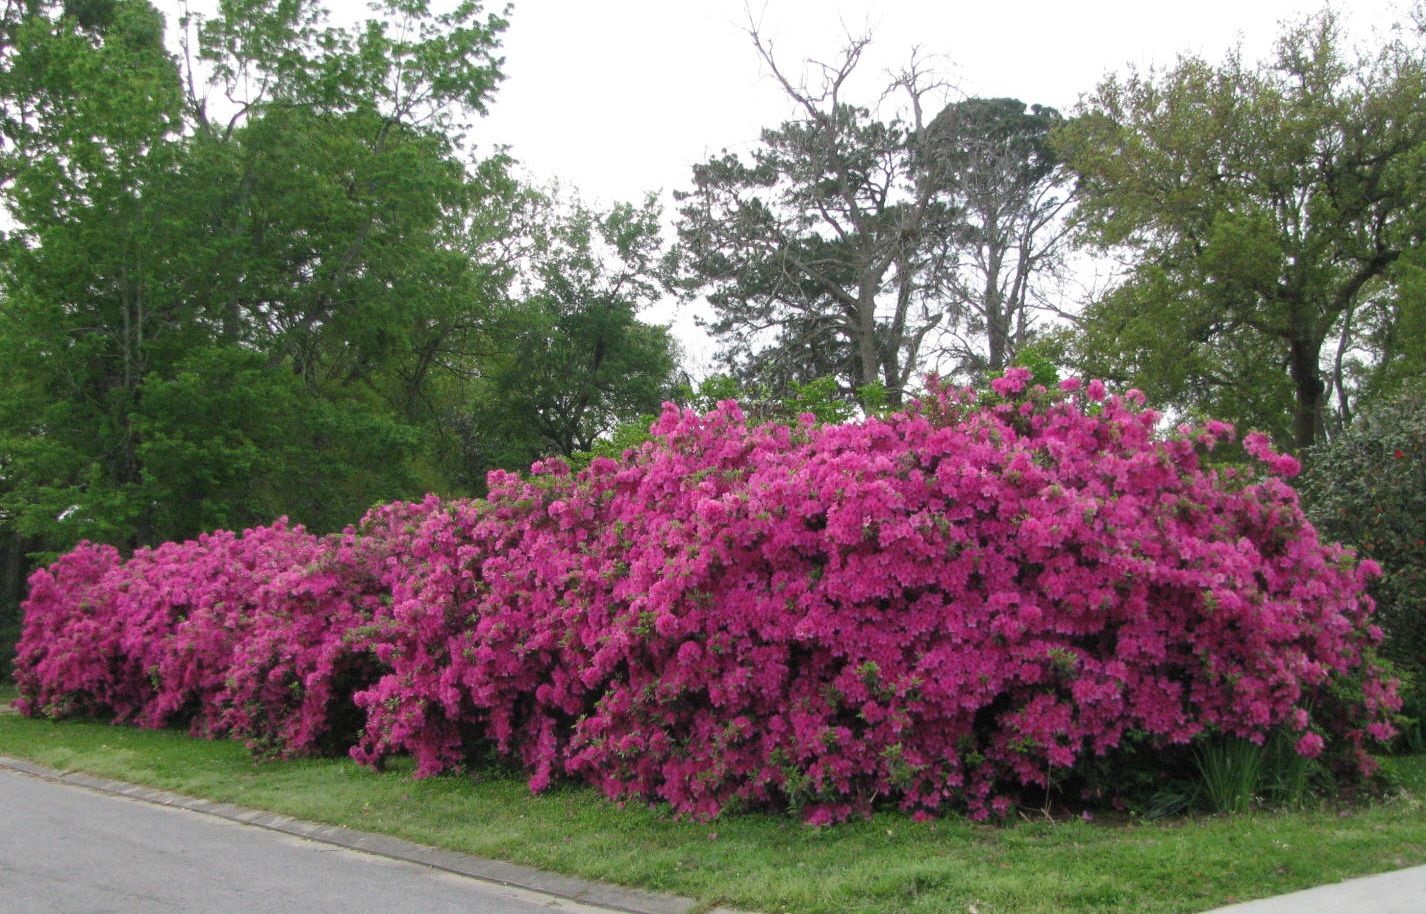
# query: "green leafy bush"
1367, 488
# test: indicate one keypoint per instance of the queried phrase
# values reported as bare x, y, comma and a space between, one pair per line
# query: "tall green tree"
236, 267
569, 358
1267, 210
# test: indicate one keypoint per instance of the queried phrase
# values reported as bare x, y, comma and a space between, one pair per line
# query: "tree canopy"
266, 272
227, 264
1011, 197
873, 244
824, 254
1271, 212
569, 358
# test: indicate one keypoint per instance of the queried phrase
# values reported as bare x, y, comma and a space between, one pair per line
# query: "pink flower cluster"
262, 636
939, 609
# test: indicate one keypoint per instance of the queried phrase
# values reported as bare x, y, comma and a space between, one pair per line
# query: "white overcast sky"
617, 98
620, 97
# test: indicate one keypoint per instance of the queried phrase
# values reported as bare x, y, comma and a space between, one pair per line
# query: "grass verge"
771, 863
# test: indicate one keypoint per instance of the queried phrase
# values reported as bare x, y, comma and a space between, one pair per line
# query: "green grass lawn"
773, 863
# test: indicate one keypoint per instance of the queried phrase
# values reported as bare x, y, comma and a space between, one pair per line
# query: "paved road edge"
573, 888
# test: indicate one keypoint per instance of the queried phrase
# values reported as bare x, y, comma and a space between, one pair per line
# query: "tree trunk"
867, 350
997, 332
1307, 378
997, 316
894, 378
14, 569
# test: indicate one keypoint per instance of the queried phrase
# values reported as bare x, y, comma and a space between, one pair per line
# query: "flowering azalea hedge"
941, 609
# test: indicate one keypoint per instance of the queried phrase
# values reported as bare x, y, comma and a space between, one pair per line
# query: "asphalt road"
68, 850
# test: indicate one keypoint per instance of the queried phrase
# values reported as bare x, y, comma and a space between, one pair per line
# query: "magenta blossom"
942, 609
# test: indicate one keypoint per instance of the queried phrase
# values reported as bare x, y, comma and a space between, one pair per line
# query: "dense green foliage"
212, 320
1272, 214
262, 270
569, 359
1367, 487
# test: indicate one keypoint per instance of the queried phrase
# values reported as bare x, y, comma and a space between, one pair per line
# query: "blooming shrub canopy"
939, 609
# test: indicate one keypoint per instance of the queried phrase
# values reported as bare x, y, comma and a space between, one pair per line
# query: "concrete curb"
573, 888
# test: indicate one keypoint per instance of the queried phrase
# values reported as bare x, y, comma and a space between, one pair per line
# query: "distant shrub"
1367, 487
943, 608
